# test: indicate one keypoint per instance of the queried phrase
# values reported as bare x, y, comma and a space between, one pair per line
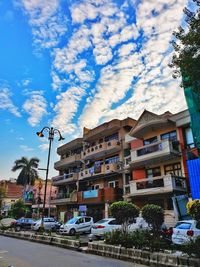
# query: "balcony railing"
62, 179
113, 145
64, 198
159, 151
157, 185
99, 170
67, 161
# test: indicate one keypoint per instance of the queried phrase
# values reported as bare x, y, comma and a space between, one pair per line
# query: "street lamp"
51, 131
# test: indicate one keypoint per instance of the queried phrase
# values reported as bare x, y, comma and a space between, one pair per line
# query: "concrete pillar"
106, 210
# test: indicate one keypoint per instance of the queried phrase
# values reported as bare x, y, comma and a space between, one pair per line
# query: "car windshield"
102, 221
183, 225
71, 221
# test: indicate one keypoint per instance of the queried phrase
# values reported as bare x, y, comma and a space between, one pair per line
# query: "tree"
193, 208
28, 172
154, 216
186, 59
2, 194
18, 209
124, 212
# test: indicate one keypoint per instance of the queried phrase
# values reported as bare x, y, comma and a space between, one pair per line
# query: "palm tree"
28, 169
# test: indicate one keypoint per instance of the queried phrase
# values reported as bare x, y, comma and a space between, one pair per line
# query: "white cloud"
35, 106
44, 147
154, 88
66, 108
6, 102
26, 148
46, 19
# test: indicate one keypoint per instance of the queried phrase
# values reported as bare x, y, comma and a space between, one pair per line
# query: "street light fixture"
51, 131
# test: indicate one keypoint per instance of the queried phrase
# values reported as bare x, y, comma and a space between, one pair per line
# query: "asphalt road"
20, 253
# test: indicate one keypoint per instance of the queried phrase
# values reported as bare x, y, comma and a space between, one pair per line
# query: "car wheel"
18, 228
72, 231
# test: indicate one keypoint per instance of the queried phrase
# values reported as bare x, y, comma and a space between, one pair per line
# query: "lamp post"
51, 131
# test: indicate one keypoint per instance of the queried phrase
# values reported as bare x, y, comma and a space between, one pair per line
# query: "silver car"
49, 224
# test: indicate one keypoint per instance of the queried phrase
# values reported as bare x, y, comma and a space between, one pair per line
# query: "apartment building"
155, 170
91, 170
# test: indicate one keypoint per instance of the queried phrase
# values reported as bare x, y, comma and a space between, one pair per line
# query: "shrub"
124, 212
193, 208
192, 248
154, 216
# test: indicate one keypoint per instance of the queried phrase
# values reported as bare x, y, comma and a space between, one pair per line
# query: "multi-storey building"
156, 169
90, 169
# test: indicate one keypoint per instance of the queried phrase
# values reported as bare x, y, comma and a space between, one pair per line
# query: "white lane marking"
3, 251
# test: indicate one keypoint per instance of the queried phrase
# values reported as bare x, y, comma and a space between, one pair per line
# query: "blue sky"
71, 64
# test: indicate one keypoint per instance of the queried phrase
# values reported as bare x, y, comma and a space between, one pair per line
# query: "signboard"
82, 208
90, 194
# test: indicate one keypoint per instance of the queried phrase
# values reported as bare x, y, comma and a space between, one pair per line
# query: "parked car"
7, 222
49, 224
139, 223
184, 231
23, 223
78, 224
101, 227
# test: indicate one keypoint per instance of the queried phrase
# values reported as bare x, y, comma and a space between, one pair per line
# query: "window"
172, 136
113, 222
127, 190
127, 178
153, 172
87, 219
113, 159
150, 140
183, 225
189, 141
174, 169
95, 187
113, 184
112, 137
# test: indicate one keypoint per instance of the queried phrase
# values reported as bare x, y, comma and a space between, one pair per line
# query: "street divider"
154, 259
46, 239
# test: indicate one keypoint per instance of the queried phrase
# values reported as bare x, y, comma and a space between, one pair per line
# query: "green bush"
154, 216
138, 239
193, 208
124, 212
192, 248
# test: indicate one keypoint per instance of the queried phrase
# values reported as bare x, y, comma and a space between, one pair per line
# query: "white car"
139, 223
80, 224
49, 224
184, 231
101, 227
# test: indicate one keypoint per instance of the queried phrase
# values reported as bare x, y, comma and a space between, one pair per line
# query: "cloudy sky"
69, 64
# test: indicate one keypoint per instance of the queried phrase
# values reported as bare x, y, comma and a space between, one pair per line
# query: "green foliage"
192, 248
18, 209
138, 239
154, 216
28, 172
186, 60
193, 208
124, 211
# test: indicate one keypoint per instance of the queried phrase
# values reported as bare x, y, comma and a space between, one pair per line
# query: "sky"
71, 64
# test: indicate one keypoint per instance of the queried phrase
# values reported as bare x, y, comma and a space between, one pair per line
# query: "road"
21, 253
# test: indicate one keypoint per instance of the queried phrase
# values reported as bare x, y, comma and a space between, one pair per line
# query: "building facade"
155, 170
91, 170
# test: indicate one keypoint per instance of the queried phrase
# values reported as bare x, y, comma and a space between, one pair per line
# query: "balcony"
99, 170
155, 153
102, 149
112, 194
63, 163
63, 198
157, 185
90, 196
63, 179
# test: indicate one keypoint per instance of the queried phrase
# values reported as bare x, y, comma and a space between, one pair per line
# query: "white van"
78, 224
